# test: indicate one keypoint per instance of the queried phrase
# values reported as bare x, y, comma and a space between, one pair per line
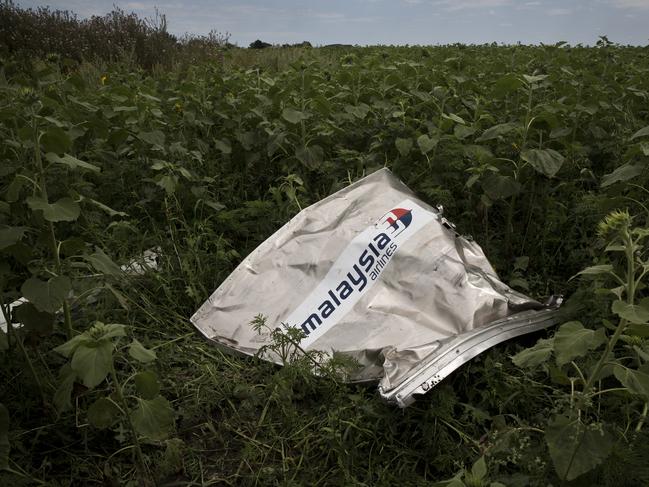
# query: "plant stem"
67, 316
141, 466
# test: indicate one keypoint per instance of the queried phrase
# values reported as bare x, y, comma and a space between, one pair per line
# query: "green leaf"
141, 354
595, 270
107, 209
536, 355
4, 341
5, 446
625, 172
155, 137
636, 381
462, 131
146, 384
71, 162
63, 394
47, 296
55, 140
545, 161
103, 264
223, 145
498, 187
67, 348
311, 156
102, 413
496, 131
153, 418
454, 118
572, 340
34, 320
358, 111
576, 448
404, 146
426, 144
292, 115
10, 236
479, 469
640, 133
633, 313
112, 330
63, 210
92, 362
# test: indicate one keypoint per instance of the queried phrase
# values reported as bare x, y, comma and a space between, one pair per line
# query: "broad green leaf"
71, 162
168, 182
107, 209
358, 111
67, 348
426, 143
153, 418
454, 117
63, 395
479, 469
223, 145
496, 131
497, 186
576, 448
636, 381
292, 115
311, 156
47, 296
10, 236
534, 79
404, 146
545, 161
92, 362
63, 210
155, 137
102, 413
596, 270
462, 131
626, 172
4, 437
34, 320
536, 355
640, 133
55, 140
103, 264
101, 331
572, 340
140, 353
633, 313
507, 84
146, 384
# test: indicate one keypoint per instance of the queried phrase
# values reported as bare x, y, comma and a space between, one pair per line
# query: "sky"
368, 22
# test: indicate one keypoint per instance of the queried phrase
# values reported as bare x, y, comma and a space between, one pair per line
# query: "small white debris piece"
3, 322
145, 262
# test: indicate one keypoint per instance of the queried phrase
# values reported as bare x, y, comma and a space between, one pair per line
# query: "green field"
540, 153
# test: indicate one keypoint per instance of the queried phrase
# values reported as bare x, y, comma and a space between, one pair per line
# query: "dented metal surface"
377, 274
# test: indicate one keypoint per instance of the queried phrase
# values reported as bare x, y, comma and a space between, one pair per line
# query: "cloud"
453, 5
559, 11
638, 4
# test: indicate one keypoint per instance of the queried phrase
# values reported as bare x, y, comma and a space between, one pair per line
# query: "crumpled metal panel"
373, 272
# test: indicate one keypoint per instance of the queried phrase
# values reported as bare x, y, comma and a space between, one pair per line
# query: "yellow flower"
103, 79
178, 107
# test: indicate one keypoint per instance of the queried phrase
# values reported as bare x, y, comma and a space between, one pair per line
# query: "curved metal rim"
460, 350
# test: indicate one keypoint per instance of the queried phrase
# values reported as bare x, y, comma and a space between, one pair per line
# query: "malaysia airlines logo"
397, 220
356, 270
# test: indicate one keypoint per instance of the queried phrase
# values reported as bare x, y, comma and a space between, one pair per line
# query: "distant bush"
117, 35
259, 45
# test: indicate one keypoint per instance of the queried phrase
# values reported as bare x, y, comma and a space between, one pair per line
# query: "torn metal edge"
462, 348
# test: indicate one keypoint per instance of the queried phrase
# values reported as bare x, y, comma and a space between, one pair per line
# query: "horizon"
384, 22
